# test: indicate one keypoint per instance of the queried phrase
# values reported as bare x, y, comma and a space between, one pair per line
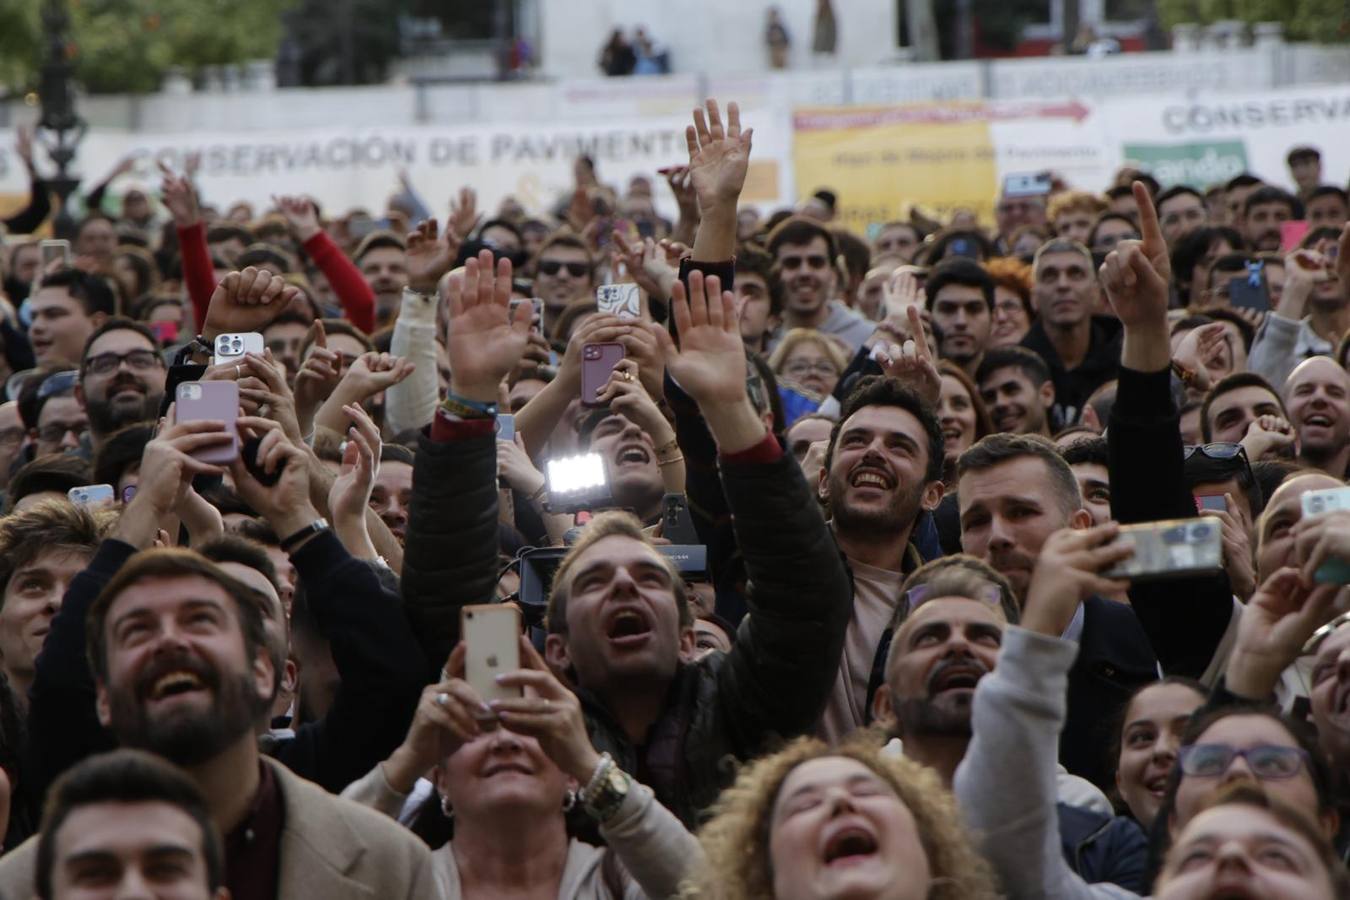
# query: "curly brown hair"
736, 839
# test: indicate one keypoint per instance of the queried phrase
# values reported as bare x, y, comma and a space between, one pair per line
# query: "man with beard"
178, 662
122, 379
804, 254
883, 468
1318, 397
947, 634
960, 296
1263, 212
1081, 349
382, 259
1015, 491
1016, 388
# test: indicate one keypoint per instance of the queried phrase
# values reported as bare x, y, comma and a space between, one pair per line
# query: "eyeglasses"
54, 432
989, 595
1216, 450
807, 368
136, 360
793, 263
58, 383
554, 266
1267, 761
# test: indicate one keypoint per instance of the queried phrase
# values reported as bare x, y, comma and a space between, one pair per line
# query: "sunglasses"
793, 263
1267, 762
553, 267
1217, 450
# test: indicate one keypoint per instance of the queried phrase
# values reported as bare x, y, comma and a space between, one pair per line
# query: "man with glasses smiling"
55, 420
121, 379
564, 274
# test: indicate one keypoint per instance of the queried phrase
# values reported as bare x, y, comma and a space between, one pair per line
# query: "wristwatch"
316, 527
606, 791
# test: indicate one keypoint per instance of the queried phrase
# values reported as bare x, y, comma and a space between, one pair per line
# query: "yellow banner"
880, 161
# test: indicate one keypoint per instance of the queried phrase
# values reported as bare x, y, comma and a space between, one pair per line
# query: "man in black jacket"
1015, 491
376, 654
616, 629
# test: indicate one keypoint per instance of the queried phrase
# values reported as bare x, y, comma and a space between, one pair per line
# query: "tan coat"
330, 848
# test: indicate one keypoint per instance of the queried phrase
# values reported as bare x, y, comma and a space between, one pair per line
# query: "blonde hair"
736, 839
1075, 201
610, 523
798, 336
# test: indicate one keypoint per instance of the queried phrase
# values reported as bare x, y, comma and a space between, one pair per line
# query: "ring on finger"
442, 699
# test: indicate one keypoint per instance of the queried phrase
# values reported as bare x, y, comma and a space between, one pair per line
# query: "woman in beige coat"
507, 773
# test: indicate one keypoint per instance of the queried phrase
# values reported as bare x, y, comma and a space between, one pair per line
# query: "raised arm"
31, 217
412, 402
778, 677
1185, 619
450, 556
358, 302
199, 275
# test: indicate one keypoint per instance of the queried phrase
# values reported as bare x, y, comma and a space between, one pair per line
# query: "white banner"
345, 168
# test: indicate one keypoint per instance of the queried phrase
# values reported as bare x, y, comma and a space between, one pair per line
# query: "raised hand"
372, 373
912, 362
1276, 623
167, 470
901, 292
318, 376
709, 363
1267, 437
597, 329
463, 213
285, 504
484, 342
430, 255
274, 393
718, 157
1068, 572
1202, 352
646, 263
247, 301
301, 214
1322, 538
349, 497
179, 197
625, 394
552, 716
447, 718
1136, 273
516, 469
1237, 548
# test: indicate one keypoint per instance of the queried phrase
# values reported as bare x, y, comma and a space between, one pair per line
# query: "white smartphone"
93, 496
618, 300
491, 634
234, 346
55, 250
1319, 503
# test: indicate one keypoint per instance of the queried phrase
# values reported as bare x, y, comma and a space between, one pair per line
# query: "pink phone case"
210, 400
597, 362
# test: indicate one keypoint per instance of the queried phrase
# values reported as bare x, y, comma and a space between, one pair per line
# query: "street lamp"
59, 129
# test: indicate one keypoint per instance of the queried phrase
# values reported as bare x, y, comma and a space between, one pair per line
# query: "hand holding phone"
233, 347
196, 401
1173, 548
491, 635
597, 363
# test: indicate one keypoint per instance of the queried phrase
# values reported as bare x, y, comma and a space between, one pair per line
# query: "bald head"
1274, 533
1317, 395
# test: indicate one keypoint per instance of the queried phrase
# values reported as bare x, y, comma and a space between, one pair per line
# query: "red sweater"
356, 297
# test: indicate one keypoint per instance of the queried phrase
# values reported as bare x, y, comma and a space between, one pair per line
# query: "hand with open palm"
483, 340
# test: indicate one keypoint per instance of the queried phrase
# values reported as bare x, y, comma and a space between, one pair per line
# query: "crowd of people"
868, 600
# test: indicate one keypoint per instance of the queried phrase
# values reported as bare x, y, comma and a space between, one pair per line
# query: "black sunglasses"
553, 267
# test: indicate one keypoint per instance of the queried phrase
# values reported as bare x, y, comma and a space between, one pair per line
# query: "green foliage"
346, 41
1322, 21
128, 45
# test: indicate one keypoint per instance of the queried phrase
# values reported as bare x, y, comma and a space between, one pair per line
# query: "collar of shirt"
253, 847
1309, 344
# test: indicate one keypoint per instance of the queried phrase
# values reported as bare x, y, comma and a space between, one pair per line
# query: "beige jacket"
649, 852
330, 849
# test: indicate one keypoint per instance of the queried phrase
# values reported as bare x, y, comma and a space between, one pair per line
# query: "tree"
126, 46
345, 41
1303, 20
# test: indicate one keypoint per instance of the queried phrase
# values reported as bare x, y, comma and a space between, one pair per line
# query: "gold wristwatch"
606, 791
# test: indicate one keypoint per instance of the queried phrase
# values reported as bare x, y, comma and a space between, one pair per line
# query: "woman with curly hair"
814, 821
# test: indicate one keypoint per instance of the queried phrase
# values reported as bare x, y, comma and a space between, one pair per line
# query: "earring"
569, 800
445, 807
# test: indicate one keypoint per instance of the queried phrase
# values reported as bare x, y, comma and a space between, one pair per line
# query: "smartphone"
506, 427
210, 400
234, 346
1026, 184
1210, 501
1171, 549
597, 362
92, 496
165, 332
1319, 503
618, 300
1250, 292
55, 250
677, 526
491, 635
